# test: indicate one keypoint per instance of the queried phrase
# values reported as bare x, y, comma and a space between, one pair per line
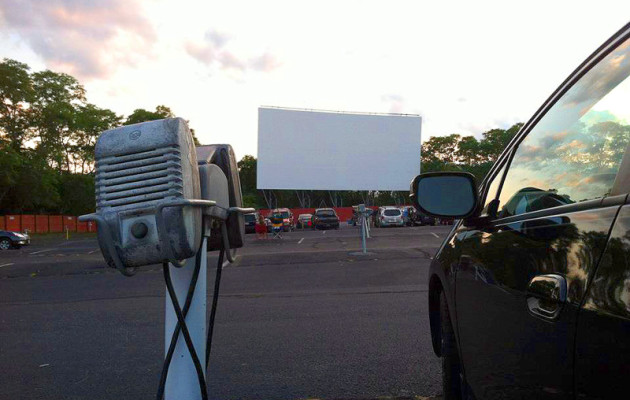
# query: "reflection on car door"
603, 330
507, 350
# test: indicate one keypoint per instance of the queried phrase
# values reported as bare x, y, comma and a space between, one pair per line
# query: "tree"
16, 92
57, 97
89, 122
247, 172
10, 165
457, 153
142, 115
441, 148
161, 112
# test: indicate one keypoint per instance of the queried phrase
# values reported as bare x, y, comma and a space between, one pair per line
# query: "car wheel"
451, 369
5, 244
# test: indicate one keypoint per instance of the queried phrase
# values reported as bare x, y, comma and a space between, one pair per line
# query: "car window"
391, 213
325, 213
574, 152
250, 217
493, 190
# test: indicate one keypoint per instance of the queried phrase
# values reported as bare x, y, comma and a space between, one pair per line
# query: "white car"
389, 216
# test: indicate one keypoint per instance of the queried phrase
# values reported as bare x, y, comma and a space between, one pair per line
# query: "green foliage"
16, 91
457, 153
142, 115
47, 137
76, 192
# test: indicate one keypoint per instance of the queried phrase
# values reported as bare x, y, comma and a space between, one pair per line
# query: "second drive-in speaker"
222, 155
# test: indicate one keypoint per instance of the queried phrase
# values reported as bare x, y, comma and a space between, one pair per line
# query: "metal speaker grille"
139, 179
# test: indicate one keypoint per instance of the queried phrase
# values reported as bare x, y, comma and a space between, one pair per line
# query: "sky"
465, 67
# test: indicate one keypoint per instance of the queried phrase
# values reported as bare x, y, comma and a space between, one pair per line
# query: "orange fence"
45, 223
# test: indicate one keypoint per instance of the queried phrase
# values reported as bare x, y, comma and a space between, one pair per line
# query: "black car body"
419, 218
9, 239
529, 295
423, 219
250, 222
325, 218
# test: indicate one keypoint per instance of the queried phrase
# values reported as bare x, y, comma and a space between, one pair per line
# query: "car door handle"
546, 294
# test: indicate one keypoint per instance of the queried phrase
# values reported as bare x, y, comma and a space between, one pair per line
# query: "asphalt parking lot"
298, 317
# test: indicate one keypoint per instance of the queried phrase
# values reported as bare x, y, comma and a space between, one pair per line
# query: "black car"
14, 240
419, 218
250, 222
325, 218
529, 295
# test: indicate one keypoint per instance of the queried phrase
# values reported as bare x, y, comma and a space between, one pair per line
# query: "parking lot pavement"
298, 317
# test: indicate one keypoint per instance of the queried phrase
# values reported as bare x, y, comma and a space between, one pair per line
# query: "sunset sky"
465, 67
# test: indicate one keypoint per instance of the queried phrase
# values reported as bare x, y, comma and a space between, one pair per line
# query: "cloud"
600, 80
265, 63
396, 103
213, 50
88, 39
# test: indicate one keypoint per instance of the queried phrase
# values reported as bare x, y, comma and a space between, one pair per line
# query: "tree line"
48, 130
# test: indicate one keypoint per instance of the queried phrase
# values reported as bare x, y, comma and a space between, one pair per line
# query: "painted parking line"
42, 251
301, 240
6, 265
93, 251
435, 235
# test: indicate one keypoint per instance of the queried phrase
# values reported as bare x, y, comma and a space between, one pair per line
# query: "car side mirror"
445, 194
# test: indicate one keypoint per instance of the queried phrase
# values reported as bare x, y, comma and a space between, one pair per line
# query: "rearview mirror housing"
445, 194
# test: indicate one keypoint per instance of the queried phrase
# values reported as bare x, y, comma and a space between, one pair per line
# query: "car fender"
442, 275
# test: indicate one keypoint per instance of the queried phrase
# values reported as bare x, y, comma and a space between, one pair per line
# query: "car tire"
451, 367
5, 244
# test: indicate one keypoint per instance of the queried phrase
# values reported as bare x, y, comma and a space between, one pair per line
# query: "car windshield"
285, 214
391, 213
250, 217
325, 213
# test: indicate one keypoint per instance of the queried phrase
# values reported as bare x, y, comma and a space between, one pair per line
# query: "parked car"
250, 222
389, 216
268, 224
424, 219
288, 223
354, 220
325, 218
304, 221
529, 295
15, 240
